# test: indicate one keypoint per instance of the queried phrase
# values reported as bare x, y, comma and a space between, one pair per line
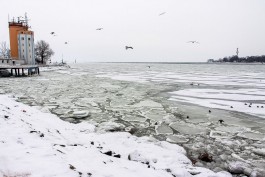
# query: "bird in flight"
193, 42
162, 13
53, 33
65, 42
128, 47
99, 29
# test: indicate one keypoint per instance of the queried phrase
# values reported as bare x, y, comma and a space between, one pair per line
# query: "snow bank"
33, 143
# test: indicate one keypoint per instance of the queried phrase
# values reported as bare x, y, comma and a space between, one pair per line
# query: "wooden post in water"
23, 74
11, 72
15, 72
18, 72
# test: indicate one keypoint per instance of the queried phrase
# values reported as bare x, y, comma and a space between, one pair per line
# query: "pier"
21, 70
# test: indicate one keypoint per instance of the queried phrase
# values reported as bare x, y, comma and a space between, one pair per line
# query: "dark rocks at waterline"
205, 157
4, 73
109, 153
117, 155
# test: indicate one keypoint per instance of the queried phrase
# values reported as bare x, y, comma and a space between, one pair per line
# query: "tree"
43, 52
4, 50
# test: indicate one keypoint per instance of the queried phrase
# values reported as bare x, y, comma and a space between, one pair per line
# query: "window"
22, 38
29, 39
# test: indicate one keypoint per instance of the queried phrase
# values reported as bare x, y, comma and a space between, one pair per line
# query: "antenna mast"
26, 19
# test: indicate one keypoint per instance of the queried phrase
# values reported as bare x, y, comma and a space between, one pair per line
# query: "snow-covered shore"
33, 143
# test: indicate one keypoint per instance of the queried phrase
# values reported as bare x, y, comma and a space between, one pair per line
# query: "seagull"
149, 66
99, 29
193, 42
53, 33
65, 42
162, 13
128, 47
221, 121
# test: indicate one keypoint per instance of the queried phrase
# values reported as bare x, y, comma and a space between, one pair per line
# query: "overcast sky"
220, 26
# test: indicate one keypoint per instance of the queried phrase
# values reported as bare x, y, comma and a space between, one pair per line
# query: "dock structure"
21, 70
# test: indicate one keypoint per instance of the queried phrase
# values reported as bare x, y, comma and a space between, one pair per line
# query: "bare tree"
43, 52
4, 50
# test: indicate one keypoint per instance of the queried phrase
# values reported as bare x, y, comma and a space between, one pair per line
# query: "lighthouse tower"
21, 41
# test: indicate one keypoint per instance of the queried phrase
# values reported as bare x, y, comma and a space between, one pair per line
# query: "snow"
34, 143
232, 100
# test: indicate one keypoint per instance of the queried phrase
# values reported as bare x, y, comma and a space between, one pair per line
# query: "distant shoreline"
217, 63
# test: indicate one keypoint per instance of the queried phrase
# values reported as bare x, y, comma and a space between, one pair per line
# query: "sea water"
179, 103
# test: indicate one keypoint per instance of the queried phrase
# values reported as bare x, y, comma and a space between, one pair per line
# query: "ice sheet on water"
179, 139
223, 104
185, 128
252, 135
163, 129
148, 103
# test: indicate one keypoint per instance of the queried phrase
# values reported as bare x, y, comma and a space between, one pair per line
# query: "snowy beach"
37, 144
147, 113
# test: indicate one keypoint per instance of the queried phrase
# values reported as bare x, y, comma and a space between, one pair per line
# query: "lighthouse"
21, 41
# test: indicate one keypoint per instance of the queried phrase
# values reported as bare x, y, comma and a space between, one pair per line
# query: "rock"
260, 152
109, 153
199, 164
110, 126
217, 169
71, 167
257, 174
117, 155
247, 171
223, 157
136, 156
236, 167
205, 157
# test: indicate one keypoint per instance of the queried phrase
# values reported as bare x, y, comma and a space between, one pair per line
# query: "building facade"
21, 42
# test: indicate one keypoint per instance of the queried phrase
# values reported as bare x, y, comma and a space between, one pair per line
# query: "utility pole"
237, 52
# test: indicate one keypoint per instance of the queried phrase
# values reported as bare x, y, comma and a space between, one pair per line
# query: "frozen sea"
180, 103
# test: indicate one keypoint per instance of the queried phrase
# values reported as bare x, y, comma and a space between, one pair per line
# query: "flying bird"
162, 13
128, 47
65, 42
99, 29
193, 42
53, 33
